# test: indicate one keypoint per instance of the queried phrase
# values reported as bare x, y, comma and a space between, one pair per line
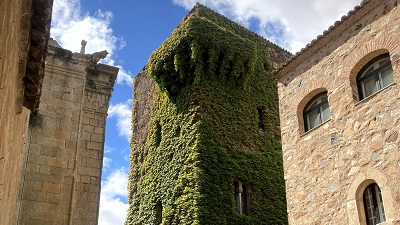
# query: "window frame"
372, 199
308, 109
363, 75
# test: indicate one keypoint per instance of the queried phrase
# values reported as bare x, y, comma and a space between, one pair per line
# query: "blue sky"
130, 30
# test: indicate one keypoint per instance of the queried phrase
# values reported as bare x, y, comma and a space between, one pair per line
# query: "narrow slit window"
261, 125
242, 198
159, 210
157, 135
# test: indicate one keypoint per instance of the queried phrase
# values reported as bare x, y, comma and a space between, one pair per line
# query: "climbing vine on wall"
214, 120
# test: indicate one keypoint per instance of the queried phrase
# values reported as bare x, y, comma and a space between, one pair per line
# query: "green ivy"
213, 77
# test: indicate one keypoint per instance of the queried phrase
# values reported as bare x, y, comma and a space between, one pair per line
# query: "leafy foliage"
213, 76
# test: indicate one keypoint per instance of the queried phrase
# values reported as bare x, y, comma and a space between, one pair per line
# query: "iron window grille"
373, 205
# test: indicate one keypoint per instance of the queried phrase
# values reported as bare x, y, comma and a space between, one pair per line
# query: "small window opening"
159, 210
373, 205
375, 76
316, 111
261, 125
242, 198
157, 135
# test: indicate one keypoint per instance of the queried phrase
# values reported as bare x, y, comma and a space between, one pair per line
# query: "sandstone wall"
327, 168
13, 117
66, 141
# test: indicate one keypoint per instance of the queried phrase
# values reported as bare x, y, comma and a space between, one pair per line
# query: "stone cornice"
36, 20
55, 50
101, 78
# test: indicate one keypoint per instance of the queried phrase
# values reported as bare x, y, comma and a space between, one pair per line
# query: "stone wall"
66, 141
328, 168
13, 117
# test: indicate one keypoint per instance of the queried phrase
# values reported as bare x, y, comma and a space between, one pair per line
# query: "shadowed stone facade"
328, 167
66, 141
25, 28
50, 153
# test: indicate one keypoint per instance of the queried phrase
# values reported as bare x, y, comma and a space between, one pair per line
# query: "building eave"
327, 36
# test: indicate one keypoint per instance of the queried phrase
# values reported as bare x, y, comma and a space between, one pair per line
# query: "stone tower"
206, 139
61, 168
340, 110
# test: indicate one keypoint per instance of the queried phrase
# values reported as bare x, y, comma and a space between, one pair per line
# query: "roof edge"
312, 46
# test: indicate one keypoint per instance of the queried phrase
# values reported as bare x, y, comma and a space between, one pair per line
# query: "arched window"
374, 76
373, 205
316, 111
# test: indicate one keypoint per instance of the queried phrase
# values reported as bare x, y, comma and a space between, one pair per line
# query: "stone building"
25, 29
65, 142
340, 121
52, 120
206, 141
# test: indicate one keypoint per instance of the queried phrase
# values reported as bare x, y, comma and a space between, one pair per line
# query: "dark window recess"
261, 124
242, 198
157, 135
159, 210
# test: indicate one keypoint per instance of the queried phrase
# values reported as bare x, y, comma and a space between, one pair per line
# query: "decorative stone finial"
83, 45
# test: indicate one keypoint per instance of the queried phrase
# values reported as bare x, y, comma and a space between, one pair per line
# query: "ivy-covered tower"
206, 139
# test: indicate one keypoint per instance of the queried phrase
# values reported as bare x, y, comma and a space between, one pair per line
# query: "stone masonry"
25, 29
328, 167
61, 182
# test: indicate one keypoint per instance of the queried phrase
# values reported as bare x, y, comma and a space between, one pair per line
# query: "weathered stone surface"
64, 153
326, 174
15, 35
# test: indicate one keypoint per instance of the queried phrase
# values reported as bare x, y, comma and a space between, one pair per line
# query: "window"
157, 135
375, 76
159, 210
373, 205
316, 111
242, 198
261, 125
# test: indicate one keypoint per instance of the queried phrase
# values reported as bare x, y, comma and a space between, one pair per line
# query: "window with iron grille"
373, 205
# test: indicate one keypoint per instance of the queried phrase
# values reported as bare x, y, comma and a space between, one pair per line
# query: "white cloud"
70, 26
113, 189
289, 23
106, 162
123, 112
107, 149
